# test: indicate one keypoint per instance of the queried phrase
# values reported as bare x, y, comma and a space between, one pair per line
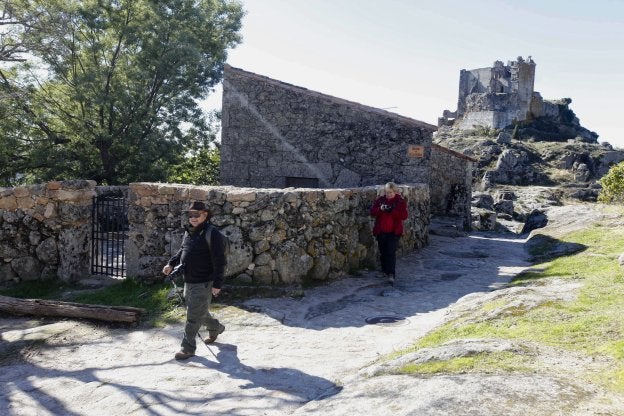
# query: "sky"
405, 56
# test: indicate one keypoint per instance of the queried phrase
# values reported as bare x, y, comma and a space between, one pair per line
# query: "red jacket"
389, 221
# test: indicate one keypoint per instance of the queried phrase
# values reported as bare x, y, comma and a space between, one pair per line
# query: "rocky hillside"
554, 153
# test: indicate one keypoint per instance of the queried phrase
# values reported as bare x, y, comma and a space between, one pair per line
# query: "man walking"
202, 254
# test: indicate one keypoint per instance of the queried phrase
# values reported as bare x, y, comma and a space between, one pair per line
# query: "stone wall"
44, 231
493, 119
472, 82
277, 236
276, 135
451, 176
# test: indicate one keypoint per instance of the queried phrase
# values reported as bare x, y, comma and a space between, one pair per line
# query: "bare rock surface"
318, 354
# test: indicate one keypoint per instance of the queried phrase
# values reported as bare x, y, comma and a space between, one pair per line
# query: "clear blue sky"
406, 55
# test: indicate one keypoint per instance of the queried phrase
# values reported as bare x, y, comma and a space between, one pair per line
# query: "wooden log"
41, 307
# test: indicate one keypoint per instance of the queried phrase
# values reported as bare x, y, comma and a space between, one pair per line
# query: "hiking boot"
212, 337
391, 279
183, 355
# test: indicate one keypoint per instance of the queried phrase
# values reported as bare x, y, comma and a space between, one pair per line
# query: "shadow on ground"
428, 280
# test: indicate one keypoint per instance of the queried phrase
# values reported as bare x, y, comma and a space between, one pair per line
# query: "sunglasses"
195, 214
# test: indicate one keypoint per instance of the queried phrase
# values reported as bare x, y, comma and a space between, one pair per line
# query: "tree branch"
39, 123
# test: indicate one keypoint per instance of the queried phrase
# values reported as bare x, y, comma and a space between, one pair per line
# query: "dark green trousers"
198, 297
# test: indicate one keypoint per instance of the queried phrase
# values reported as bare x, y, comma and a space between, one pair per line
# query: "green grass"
46, 289
591, 325
484, 363
151, 297
130, 292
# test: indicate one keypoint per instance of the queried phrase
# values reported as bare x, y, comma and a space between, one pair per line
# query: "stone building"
498, 96
277, 135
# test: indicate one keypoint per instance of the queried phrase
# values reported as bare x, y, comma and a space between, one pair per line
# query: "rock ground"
313, 355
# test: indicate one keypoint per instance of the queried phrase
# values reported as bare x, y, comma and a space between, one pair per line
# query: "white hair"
393, 186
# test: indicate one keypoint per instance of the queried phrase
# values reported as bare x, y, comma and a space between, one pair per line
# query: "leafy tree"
111, 87
200, 168
11, 48
613, 185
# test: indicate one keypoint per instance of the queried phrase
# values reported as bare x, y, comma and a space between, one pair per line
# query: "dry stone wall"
451, 177
44, 231
277, 236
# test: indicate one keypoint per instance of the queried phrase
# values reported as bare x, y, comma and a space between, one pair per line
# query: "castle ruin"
498, 96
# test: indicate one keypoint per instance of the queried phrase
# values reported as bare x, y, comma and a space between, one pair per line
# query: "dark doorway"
297, 182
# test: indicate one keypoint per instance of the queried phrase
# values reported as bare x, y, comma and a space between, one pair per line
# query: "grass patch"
489, 363
596, 263
40, 289
151, 297
592, 324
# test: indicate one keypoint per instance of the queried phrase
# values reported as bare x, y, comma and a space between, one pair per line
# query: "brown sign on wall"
414, 151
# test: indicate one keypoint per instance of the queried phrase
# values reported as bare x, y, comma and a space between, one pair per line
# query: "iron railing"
109, 227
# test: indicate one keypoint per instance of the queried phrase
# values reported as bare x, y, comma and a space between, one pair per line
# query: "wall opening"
296, 182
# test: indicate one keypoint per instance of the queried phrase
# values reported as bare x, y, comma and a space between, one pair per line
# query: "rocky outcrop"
514, 208
549, 151
512, 168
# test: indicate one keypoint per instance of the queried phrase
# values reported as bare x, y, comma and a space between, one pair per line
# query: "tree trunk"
40, 307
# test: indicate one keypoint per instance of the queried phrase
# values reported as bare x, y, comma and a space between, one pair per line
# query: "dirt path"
286, 356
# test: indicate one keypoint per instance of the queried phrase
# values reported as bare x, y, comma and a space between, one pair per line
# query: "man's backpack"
209, 229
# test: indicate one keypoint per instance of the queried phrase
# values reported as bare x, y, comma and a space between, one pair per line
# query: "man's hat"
197, 206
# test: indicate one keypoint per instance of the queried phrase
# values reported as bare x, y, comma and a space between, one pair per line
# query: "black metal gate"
109, 230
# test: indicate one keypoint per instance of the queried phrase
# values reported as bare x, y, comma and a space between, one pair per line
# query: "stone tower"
495, 96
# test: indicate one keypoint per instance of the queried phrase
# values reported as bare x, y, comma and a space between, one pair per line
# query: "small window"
295, 182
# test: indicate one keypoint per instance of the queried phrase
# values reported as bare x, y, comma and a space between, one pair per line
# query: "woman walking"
389, 210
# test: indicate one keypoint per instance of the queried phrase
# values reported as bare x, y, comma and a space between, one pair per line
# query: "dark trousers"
388, 243
197, 297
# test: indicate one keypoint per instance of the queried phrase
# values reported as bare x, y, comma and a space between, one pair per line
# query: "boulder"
506, 195
536, 219
483, 220
292, 262
504, 137
240, 255
505, 207
47, 251
26, 268
483, 200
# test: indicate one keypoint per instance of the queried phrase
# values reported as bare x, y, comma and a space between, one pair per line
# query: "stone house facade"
279, 135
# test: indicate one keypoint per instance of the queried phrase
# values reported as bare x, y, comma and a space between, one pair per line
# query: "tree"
11, 48
201, 164
200, 168
613, 185
112, 86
